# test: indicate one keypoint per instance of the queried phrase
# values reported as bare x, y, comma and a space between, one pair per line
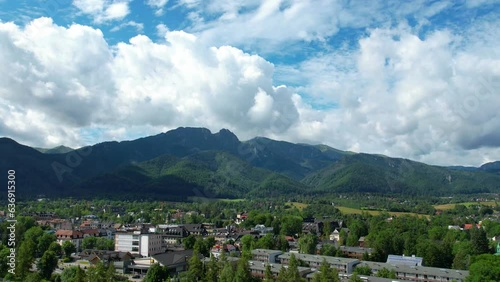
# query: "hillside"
381, 174
195, 162
56, 150
209, 174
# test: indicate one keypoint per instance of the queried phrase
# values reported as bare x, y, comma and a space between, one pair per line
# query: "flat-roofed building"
418, 273
266, 255
404, 260
258, 269
136, 242
343, 265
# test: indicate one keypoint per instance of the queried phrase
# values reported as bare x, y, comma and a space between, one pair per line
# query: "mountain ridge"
195, 160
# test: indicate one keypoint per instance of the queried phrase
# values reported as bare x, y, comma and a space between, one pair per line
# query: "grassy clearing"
347, 210
467, 204
231, 200
299, 206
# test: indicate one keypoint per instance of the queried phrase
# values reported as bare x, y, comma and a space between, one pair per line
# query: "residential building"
258, 269
266, 255
229, 249
172, 234
404, 260
74, 236
343, 265
418, 273
195, 229
137, 242
262, 229
355, 252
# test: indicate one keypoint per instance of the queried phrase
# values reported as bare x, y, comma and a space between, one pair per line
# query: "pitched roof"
172, 258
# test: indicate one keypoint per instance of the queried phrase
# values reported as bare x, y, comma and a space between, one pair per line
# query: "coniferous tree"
479, 241
283, 274
243, 271
293, 273
268, 275
25, 258
212, 270
227, 273
326, 273
47, 264
195, 268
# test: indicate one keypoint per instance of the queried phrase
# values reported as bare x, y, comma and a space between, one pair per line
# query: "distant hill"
381, 174
188, 162
491, 167
56, 150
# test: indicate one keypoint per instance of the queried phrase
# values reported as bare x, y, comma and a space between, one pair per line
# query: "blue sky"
414, 79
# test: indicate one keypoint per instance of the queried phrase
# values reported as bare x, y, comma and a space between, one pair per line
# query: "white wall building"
145, 244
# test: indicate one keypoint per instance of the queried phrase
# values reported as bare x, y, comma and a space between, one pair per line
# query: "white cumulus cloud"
103, 10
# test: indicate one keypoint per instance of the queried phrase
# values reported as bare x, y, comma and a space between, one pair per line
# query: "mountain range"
188, 162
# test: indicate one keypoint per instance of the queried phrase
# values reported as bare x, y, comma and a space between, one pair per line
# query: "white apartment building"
145, 244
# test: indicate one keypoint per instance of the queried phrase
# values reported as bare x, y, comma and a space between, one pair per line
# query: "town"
228, 241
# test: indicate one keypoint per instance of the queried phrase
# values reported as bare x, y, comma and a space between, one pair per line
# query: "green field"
299, 206
231, 200
347, 210
467, 204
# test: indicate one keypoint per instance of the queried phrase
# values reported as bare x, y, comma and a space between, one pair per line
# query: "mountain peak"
227, 134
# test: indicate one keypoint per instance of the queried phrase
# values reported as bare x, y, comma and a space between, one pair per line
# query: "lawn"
451, 206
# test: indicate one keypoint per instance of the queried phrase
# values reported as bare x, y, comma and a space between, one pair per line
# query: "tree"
189, 242
328, 250
268, 274
479, 241
292, 273
89, 243
33, 277
282, 275
56, 248
326, 273
195, 267
243, 271
33, 234
212, 270
73, 274
291, 225
343, 237
307, 244
355, 278
282, 243
47, 264
462, 252
227, 273
111, 272
45, 241
156, 273
247, 243
4, 260
386, 273
105, 244
363, 270
25, 258
97, 273
266, 242
68, 248
484, 268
